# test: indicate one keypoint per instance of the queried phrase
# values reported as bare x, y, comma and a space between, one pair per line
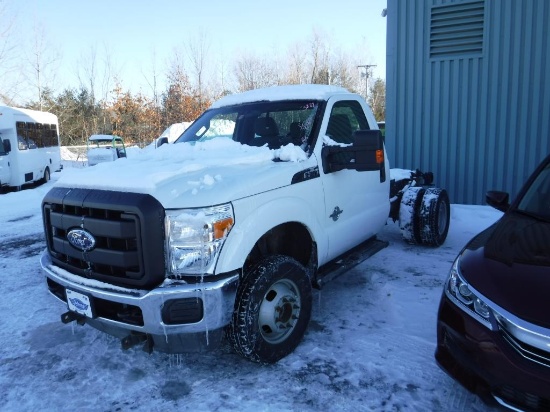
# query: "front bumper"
485, 363
123, 311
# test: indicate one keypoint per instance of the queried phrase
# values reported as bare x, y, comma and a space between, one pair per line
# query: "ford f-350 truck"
224, 233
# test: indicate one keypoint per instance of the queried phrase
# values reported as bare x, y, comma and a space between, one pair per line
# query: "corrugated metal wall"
478, 117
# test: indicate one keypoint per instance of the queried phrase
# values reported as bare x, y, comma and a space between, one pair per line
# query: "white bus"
29, 146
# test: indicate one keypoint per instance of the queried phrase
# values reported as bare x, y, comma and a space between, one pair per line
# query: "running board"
348, 260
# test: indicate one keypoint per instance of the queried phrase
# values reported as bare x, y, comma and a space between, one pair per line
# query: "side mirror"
365, 154
369, 149
497, 199
7, 146
161, 141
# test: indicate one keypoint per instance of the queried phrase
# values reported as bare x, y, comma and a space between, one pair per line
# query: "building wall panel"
480, 119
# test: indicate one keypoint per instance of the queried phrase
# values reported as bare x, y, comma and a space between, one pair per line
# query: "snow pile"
72, 153
174, 131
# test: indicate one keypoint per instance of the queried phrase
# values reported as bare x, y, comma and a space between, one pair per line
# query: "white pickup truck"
225, 232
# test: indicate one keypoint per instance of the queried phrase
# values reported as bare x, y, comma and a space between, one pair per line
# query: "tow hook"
135, 338
69, 316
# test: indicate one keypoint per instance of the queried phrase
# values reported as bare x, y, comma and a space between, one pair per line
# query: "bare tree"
344, 71
97, 74
43, 61
152, 79
178, 101
297, 65
197, 50
10, 56
87, 67
253, 72
319, 58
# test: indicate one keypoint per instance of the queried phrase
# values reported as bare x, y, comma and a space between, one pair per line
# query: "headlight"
465, 297
194, 238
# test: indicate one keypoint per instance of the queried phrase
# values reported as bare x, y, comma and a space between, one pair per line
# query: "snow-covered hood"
195, 175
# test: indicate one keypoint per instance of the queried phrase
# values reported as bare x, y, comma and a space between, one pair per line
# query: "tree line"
102, 104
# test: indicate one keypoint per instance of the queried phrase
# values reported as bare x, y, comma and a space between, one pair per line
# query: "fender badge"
336, 213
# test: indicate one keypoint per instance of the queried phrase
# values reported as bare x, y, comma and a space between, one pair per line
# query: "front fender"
254, 216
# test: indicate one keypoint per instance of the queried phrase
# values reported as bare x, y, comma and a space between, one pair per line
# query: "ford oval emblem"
81, 239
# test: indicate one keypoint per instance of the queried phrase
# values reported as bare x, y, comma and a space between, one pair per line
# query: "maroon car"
493, 328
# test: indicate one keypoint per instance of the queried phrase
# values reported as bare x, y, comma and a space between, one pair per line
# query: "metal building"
468, 91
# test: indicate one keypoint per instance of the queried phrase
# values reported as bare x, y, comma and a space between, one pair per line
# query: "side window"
32, 129
345, 118
40, 136
52, 135
21, 128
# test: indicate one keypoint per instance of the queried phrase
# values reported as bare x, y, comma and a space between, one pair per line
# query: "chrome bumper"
218, 302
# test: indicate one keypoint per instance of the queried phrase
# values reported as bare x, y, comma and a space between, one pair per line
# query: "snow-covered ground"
369, 346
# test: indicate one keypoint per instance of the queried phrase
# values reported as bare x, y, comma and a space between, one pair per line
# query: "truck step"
348, 260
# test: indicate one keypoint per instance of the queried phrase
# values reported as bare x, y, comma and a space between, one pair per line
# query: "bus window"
39, 136
21, 129
31, 135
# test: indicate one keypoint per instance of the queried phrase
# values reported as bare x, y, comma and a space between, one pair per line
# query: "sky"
369, 345
133, 32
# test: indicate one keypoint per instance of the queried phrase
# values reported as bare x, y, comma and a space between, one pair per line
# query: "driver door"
356, 202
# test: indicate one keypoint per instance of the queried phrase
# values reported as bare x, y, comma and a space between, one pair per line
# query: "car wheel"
435, 216
272, 310
46, 177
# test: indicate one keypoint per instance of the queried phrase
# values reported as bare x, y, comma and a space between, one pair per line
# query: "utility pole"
366, 74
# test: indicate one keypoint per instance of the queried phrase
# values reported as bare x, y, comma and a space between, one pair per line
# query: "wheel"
46, 177
435, 215
272, 310
408, 214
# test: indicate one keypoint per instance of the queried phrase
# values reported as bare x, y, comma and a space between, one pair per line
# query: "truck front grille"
128, 230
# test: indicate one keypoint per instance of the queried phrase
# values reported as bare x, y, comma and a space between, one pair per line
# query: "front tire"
272, 310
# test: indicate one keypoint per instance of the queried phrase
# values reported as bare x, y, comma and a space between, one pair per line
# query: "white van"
29, 146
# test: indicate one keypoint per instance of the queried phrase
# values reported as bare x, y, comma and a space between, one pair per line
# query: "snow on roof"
289, 92
37, 116
100, 137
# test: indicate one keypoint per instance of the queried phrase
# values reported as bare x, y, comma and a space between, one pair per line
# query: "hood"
509, 263
195, 175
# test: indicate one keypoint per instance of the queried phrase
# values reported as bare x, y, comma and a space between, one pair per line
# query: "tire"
409, 222
272, 310
435, 215
47, 176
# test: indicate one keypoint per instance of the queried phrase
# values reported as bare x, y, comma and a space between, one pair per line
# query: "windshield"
274, 124
536, 200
